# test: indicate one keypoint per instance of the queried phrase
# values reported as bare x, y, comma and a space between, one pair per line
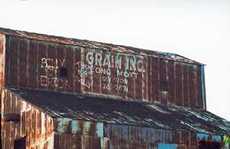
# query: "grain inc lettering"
118, 61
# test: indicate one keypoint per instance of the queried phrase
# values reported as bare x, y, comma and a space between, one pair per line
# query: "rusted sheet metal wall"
120, 73
34, 64
131, 137
33, 124
77, 134
69, 141
66, 125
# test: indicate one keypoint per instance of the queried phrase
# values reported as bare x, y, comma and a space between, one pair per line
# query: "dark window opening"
164, 85
20, 143
164, 91
63, 73
209, 145
12, 117
164, 97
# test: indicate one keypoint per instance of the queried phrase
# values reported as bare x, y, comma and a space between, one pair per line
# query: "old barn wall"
78, 134
20, 119
123, 136
120, 73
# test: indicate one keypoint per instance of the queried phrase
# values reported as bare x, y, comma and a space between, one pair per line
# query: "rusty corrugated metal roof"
103, 109
95, 45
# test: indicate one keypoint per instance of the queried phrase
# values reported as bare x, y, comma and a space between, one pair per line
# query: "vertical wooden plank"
150, 81
182, 84
76, 69
32, 64
185, 86
199, 88
2, 59
146, 78
171, 81
12, 66
178, 84
22, 65
54, 64
42, 62
69, 66
156, 82
163, 81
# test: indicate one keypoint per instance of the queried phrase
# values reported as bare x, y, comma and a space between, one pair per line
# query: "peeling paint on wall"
115, 72
171, 83
207, 137
66, 125
167, 146
33, 124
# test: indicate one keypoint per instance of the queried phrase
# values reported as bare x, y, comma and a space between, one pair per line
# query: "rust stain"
127, 76
33, 124
38, 73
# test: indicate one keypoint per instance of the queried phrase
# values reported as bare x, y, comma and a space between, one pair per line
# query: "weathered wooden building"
62, 93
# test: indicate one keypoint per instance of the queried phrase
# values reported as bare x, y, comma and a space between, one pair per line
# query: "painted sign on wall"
126, 73
49, 74
103, 71
111, 71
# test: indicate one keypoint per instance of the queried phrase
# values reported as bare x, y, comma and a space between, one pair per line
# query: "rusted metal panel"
155, 79
101, 69
120, 126
138, 135
79, 127
42, 62
33, 124
126, 73
69, 141
91, 108
78, 134
203, 93
118, 73
123, 136
132, 137
94, 45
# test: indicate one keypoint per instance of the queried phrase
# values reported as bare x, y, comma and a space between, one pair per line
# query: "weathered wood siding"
34, 125
120, 73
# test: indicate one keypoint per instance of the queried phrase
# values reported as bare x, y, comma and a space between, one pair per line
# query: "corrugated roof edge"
94, 44
183, 117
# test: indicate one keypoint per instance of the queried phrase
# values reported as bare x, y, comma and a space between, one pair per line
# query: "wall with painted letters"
114, 72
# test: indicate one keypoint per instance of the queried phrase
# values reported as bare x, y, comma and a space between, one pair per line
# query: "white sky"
195, 29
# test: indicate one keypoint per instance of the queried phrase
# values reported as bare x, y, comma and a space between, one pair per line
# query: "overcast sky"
195, 29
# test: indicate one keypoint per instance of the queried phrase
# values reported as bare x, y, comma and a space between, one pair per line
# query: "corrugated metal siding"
69, 141
79, 127
105, 109
78, 134
70, 133
131, 137
112, 72
36, 126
